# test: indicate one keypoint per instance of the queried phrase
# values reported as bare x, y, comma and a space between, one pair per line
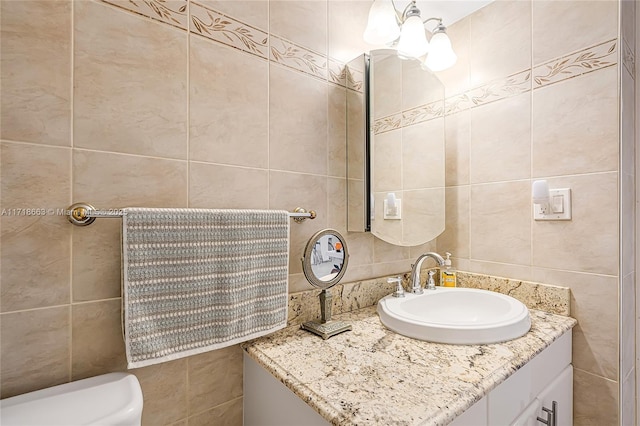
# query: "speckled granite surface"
371, 375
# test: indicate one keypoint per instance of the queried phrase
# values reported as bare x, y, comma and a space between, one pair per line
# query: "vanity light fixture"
406, 32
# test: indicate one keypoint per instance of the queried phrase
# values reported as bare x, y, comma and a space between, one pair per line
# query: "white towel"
195, 280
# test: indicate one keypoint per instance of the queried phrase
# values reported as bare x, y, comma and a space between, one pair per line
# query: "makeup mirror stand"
326, 328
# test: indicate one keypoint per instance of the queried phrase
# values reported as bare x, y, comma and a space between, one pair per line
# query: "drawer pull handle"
552, 415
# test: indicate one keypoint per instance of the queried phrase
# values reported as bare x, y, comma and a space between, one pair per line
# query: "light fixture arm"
433, 19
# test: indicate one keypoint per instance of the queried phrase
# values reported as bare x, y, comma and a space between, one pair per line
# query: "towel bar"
83, 214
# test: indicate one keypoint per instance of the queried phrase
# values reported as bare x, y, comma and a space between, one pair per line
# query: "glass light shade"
413, 40
382, 27
441, 55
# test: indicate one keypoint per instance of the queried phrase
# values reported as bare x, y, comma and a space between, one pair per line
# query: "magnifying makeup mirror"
324, 264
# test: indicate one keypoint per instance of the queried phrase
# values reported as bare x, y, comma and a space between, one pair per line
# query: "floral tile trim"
221, 28
172, 12
297, 57
355, 79
386, 124
494, 91
423, 113
628, 59
593, 58
337, 73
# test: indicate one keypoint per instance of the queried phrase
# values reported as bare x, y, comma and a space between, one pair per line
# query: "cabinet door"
560, 391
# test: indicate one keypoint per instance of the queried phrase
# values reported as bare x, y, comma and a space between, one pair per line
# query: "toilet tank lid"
97, 399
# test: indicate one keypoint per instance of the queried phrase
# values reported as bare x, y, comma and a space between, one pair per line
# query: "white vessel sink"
462, 316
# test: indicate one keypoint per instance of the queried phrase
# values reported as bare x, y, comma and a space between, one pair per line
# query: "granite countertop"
371, 375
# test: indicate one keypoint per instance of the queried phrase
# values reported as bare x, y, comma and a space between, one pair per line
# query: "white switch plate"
560, 206
398, 215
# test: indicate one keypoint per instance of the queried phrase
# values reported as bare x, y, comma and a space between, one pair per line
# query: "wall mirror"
324, 264
395, 149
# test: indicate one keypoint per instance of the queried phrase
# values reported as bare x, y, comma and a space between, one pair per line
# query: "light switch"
560, 206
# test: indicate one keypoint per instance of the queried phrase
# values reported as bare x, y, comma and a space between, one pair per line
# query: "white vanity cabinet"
520, 399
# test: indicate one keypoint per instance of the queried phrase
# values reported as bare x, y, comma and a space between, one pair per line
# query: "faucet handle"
431, 284
399, 292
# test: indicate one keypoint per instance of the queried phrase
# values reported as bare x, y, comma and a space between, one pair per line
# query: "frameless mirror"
395, 149
324, 264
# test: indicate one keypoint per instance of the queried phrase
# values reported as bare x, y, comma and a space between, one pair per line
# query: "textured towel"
195, 280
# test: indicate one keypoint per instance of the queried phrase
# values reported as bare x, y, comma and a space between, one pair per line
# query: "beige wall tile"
35, 249
298, 282
397, 267
386, 163
457, 78
500, 224
128, 103
253, 12
290, 190
35, 350
385, 252
361, 249
589, 241
355, 135
356, 215
228, 105
297, 124
214, 378
627, 223
423, 213
172, 12
575, 125
508, 270
387, 87
629, 400
35, 105
423, 149
627, 126
419, 86
594, 303
213, 186
97, 345
561, 27
455, 238
227, 414
506, 24
164, 388
505, 154
308, 28
336, 211
346, 21
628, 330
628, 22
115, 181
337, 131
457, 148
595, 400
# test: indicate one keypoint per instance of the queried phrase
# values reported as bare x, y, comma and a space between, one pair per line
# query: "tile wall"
551, 88
221, 104
234, 104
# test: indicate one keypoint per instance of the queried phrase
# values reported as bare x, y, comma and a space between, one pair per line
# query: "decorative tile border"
355, 79
496, 90
629, 59
587, 60
172, 12
423, 113
387, 124
337, 73
223, 29
297, 57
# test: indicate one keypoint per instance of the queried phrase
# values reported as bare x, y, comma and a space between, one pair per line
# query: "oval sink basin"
463, 316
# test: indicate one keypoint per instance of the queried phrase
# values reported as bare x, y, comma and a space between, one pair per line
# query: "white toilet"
110, 399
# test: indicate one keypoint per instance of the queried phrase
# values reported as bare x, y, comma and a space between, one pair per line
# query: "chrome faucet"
416, 288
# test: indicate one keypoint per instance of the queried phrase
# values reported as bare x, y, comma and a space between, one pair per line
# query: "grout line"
188, 153
71, 179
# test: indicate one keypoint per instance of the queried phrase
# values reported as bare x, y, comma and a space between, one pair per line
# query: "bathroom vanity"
372, 375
